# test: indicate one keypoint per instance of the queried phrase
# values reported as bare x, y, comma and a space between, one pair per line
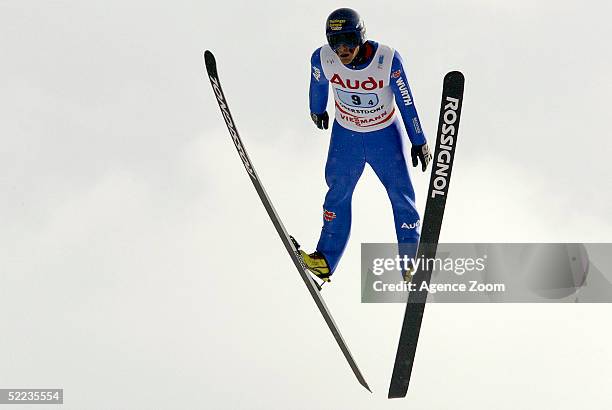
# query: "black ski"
211, 68
448, 127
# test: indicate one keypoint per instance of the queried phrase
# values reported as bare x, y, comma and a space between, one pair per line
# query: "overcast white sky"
138, 269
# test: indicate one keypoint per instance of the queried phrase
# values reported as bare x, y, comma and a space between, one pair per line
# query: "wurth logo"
404, 91
444, 151
328, 215
231, 127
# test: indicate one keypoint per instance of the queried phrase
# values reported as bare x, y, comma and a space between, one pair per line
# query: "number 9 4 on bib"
361, 100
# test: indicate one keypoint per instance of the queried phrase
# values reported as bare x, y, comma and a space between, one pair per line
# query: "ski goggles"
336, 40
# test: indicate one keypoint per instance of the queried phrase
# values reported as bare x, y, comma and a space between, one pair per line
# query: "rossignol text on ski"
448, 128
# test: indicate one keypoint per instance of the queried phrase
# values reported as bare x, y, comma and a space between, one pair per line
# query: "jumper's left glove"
420, 152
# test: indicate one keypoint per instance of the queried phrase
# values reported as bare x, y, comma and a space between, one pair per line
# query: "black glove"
320, 120
421, 152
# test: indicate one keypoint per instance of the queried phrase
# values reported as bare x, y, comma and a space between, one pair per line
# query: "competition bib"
364, 100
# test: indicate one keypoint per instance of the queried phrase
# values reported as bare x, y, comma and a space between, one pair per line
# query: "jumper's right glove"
420, 152
320, 120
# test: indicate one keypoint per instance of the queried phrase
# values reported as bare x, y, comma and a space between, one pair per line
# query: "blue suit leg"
384, 152
345, 164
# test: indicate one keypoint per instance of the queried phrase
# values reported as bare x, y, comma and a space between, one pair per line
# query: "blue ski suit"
383, 149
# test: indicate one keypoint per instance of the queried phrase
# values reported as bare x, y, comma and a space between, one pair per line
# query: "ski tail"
211, 68
448, 128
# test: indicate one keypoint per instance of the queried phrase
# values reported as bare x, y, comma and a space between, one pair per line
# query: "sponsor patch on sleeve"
316, 73
417, 126
328, 215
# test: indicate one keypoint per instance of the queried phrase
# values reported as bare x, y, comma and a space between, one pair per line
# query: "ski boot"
408, 273
315, 263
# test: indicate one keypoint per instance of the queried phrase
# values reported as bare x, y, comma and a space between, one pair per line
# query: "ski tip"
367, 387
209, 59
455, 77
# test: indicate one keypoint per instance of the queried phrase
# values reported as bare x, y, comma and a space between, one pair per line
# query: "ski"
448, 127
211, 68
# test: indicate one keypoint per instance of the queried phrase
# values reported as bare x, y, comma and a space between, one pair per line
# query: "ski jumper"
365, 130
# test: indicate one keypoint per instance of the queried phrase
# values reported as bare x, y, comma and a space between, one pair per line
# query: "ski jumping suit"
365, 129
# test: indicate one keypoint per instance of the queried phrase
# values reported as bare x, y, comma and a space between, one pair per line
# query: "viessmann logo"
447, 140
231, 127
